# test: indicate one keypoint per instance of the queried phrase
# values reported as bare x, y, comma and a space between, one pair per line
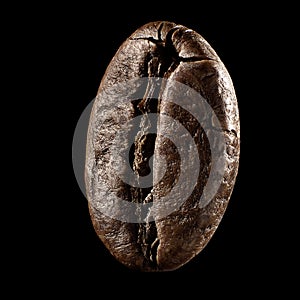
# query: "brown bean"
162, 148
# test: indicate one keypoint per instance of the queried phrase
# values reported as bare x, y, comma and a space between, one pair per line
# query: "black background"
72, 52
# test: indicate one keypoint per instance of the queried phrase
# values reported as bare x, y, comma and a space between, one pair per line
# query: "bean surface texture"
163, 148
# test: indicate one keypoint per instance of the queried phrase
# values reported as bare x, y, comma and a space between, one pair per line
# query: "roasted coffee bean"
163, 148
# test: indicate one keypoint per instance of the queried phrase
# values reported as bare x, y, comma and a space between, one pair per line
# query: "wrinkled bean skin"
170, 51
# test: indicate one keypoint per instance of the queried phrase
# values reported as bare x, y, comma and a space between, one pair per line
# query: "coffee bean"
162, 149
